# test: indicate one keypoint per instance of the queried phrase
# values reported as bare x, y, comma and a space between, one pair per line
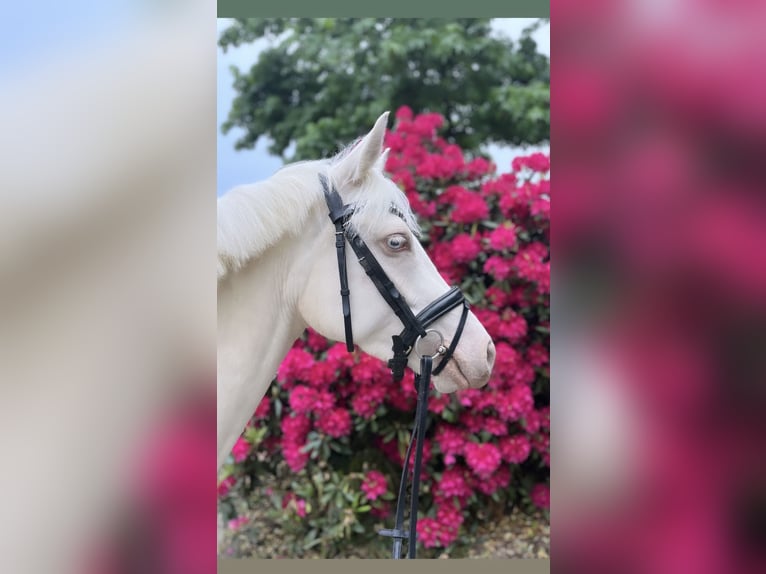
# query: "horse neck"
258, 322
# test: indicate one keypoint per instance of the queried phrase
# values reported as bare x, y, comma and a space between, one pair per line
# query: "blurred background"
107, 282
659, 332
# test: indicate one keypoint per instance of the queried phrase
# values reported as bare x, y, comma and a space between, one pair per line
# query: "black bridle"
415, 332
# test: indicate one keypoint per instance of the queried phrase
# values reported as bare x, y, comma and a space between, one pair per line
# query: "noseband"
413, 336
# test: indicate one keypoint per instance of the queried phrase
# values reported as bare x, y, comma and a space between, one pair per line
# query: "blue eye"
396, 242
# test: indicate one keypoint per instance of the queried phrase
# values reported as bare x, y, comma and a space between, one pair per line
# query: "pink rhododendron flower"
374, 485
263, 409
541, 443
295, 458
406, 181
541, 207
530, 266
537, 355
507, 358
531, 422
504, 237
502, 186
367, 400
441, 255
404, 397
225, 485
426, 209
294, 503
469, 397
294, 431
335, 423
471, 420
515, 449
240, 450
483, 459
323, 373
515, 403
491, 484
339, 357
369, 369
469, 207
495, 426
479, 167
497, 296
428, 532
438, 403
442, 530
464, 248
426, 124
545, 417
523, 374
449, 518
450, 440
453, 483
295, 428
238, 522
513, 327
324, 400
437, 166
302, 399
404, 113
537, 162
499, 267
541, 495
295, 366
315, 341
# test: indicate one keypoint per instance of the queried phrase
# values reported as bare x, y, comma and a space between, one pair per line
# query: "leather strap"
339, 214
455, 339
385, 286
422, 383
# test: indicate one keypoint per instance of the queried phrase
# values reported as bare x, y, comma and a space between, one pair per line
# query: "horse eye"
396, 242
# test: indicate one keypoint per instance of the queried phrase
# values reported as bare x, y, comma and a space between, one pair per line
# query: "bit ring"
440, 348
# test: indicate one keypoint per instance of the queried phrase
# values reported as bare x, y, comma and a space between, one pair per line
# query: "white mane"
254, 217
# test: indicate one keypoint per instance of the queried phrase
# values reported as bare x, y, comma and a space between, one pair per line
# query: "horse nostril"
490, 355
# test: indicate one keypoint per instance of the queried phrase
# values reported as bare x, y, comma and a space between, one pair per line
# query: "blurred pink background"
659, 288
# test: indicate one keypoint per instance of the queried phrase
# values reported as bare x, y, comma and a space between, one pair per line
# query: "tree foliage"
319, 79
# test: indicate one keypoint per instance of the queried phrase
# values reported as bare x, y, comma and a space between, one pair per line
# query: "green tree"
321, 82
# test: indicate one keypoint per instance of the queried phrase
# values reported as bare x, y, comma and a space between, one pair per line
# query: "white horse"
278, 274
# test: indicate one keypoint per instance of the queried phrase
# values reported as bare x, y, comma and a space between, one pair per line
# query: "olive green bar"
390, 8
507, 566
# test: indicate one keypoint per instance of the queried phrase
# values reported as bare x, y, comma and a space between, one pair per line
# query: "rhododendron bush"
334, 427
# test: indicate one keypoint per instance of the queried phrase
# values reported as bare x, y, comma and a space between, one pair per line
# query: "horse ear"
380, 163
355, 166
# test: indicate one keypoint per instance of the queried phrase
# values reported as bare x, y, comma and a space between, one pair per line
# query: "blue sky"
32, 32
246, 166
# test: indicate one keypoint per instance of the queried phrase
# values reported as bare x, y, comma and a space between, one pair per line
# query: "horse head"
384, 221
